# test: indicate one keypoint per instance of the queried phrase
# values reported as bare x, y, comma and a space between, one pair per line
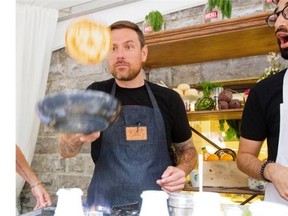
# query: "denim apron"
271, 193
134, 154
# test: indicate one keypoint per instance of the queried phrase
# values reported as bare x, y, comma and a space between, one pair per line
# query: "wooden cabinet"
226, 39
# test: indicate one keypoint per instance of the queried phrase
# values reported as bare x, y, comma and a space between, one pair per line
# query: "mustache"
120, 61
281, 29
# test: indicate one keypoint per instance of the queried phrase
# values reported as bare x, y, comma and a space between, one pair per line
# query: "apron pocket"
136, 152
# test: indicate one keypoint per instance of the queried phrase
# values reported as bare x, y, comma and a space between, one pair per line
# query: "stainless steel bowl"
180, 204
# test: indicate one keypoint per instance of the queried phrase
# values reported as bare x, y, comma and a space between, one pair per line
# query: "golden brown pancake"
88, 42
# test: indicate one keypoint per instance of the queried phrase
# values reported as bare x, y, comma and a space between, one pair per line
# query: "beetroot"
225, 95
223, 105
234, 104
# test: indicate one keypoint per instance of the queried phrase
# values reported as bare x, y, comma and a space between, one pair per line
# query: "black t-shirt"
169, 102
261, 115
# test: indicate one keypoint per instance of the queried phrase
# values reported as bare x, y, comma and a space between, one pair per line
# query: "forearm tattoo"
69, 145
181, 148
187, 155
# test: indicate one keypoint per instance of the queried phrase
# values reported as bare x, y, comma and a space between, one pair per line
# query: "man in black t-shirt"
133, 155
265, 116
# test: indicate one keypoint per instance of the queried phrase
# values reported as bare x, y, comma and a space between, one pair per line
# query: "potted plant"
153, 21
225, 6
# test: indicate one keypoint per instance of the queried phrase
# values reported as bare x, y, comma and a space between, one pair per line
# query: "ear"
144, 53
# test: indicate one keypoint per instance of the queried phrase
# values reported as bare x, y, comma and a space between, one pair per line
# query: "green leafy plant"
207, 102
233, 130
155, 19
209, 87
225, 6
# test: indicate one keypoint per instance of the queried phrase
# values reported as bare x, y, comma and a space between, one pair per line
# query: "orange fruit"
226, 157
212, 157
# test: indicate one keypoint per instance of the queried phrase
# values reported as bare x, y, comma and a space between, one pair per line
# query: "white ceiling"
72, 8
56, 4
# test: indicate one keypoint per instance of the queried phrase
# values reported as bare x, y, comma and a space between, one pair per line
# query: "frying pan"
78, 111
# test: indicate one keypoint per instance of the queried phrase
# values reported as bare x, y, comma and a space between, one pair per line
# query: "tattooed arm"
187, 156
174, 178
70, 144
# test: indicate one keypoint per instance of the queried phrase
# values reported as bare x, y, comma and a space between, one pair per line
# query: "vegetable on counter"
204, 103
226, 101
207, 102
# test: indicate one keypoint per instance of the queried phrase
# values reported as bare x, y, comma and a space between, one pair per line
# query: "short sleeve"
253, 124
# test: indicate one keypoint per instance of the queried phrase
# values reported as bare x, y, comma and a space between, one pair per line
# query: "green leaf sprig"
234, 128
225, 6
155, 19
209, 87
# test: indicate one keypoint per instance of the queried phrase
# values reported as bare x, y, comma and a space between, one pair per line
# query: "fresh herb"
225, 6
155, 19
208, 88
221, 125
233, 130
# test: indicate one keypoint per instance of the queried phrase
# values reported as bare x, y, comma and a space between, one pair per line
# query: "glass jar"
268, 5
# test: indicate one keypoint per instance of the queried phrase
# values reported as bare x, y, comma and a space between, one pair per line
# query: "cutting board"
223, 174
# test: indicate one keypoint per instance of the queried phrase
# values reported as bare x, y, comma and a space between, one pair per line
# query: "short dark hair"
130, 25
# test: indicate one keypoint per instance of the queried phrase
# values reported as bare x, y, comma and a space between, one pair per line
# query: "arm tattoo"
187, 155
69, 145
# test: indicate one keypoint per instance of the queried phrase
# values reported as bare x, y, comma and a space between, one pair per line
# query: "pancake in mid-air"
88, 42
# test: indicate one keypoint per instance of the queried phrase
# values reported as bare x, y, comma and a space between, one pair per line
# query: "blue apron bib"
125, 168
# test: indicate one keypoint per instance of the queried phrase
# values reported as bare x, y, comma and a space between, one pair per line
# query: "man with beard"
265, 116
126, 165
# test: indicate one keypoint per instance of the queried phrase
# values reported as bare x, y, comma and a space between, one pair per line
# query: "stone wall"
65, 73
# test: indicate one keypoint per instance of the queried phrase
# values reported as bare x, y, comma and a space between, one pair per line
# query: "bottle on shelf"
205, 153
268, 5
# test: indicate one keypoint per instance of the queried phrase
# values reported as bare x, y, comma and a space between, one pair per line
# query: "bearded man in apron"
133, 155
265, 116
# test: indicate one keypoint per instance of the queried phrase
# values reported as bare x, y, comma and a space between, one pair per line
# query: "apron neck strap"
285, 87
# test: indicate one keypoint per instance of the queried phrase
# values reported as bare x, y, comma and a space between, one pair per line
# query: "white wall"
134, 12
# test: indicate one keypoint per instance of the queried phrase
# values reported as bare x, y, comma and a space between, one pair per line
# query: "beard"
284, 53
124, 71
126, 74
